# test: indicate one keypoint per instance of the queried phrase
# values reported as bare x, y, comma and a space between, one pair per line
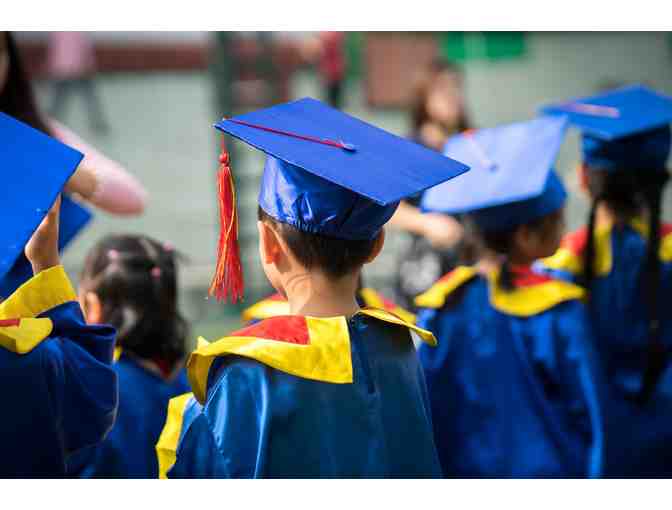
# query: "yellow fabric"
117, 353
533, 299
166, 447
265, 309
437, 294
383, 315
374, 300
42, 292
26, 336
566, 260
325, 358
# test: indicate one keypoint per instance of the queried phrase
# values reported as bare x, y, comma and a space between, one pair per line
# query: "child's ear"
377, 247
269, 245
92, 307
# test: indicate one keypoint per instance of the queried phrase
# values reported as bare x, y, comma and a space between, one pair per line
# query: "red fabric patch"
275, 297
6, 323
285, 328
576, 241
523, 276
665, 229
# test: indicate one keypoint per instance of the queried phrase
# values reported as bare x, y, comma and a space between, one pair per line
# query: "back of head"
135, 280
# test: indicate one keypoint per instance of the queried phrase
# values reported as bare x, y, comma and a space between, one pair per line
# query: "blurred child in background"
59, 391
510, 384
624, 259
437, 112
130, 281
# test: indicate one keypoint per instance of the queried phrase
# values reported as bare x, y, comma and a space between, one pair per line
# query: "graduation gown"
510, 383
305, 397
640, 436
276, 304
129, 449
59, 391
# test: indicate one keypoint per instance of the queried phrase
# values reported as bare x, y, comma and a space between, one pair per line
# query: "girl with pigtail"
130, 281
623, 258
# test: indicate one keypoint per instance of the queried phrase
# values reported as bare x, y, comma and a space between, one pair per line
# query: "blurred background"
154, 96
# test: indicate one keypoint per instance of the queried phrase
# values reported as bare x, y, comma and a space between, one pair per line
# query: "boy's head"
285, 251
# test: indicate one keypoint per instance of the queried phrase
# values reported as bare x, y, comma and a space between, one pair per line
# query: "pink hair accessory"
168, 246
156, 272
113, 254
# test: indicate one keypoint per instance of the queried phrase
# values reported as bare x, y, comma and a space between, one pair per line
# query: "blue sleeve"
227, 438
78, 365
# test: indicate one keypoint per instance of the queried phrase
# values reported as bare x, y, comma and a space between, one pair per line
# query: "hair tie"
113, 255
168, 246
156, 272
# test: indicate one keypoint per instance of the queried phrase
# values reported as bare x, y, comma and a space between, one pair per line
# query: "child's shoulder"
438, 294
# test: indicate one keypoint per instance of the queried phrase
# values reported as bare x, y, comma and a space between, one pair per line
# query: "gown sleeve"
227, 437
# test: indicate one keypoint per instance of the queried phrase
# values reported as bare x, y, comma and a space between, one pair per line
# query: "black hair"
629, 193
336, 257
16, 97
501, 242
135, 279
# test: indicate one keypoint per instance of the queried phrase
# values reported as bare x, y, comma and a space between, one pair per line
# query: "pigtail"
589, 252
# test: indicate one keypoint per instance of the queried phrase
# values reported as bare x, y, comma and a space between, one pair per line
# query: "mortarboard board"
36, 167
625, 128
73, 218
511, 181
332, 174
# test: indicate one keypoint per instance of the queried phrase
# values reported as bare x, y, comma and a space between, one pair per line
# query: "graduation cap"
625, 128
326, 173
511, 181
36, 167
73, 218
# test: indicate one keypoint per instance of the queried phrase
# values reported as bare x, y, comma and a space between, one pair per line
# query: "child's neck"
317, 295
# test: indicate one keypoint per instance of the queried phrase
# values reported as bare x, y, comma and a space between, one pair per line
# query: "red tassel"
228, 281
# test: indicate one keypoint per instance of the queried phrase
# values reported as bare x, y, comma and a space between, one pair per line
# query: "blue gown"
510, 384
59, 391
129, 449
639, 436
302, 397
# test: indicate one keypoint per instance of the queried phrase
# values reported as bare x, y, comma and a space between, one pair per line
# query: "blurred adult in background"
328, 50
130, 282
100, 181
71, 64
437, 112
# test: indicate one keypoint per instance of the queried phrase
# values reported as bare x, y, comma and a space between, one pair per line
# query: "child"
330, 390
59, 391
276, 304
130, 282
509, 384
624, 259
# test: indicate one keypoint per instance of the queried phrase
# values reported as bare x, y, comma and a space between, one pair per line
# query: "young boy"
59, 391
331, 390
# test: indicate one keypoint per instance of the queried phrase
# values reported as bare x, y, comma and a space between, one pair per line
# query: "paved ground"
161, 130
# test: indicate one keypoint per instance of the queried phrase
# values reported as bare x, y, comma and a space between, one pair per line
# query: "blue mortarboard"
36, 167
73, 218
626, 128
332, 174
511, 181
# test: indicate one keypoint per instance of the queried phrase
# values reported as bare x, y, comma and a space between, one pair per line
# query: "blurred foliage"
354, 45
462, 46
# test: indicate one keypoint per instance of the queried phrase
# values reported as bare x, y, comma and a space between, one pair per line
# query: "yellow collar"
437, 294
309, 347
22, 335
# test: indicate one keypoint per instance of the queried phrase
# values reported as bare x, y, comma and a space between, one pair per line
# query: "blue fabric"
640, 437
511, 396
129, 449
58, 398
644, 151
259, 422
322, 189
313, 205
638, 109
73, 218
510, 164
35, 169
